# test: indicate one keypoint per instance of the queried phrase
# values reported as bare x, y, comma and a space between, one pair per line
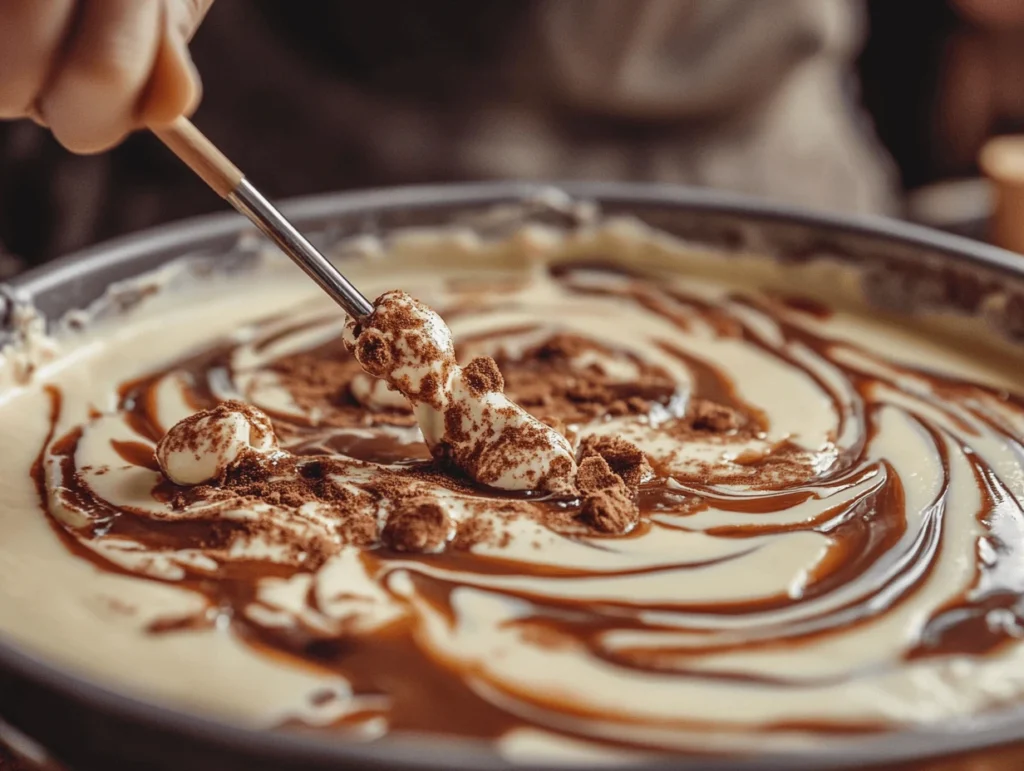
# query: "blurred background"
862, 106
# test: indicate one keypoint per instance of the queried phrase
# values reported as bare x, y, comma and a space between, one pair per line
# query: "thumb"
174, 87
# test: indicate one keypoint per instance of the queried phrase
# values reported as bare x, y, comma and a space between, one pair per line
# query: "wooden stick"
192, 146
199, 153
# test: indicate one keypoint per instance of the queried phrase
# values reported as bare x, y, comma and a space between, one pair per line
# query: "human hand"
95, 70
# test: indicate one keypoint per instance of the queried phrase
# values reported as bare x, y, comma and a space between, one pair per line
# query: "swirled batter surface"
807, 538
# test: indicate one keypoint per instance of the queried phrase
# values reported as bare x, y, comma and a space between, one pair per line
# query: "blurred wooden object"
1002, 160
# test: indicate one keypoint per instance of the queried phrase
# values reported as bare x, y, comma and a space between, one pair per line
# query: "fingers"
185, 16
31, 35
174, 86
89, 102
94, 70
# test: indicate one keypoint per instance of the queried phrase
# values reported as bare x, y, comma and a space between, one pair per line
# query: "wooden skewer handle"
199, 153
189, 144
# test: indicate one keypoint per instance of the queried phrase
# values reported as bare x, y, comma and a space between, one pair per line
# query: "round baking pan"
89, 726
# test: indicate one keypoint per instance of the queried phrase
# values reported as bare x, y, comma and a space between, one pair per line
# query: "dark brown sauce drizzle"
136, 454
426, 695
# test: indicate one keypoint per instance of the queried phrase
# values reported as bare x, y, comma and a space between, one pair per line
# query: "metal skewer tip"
250, 202
203, 157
